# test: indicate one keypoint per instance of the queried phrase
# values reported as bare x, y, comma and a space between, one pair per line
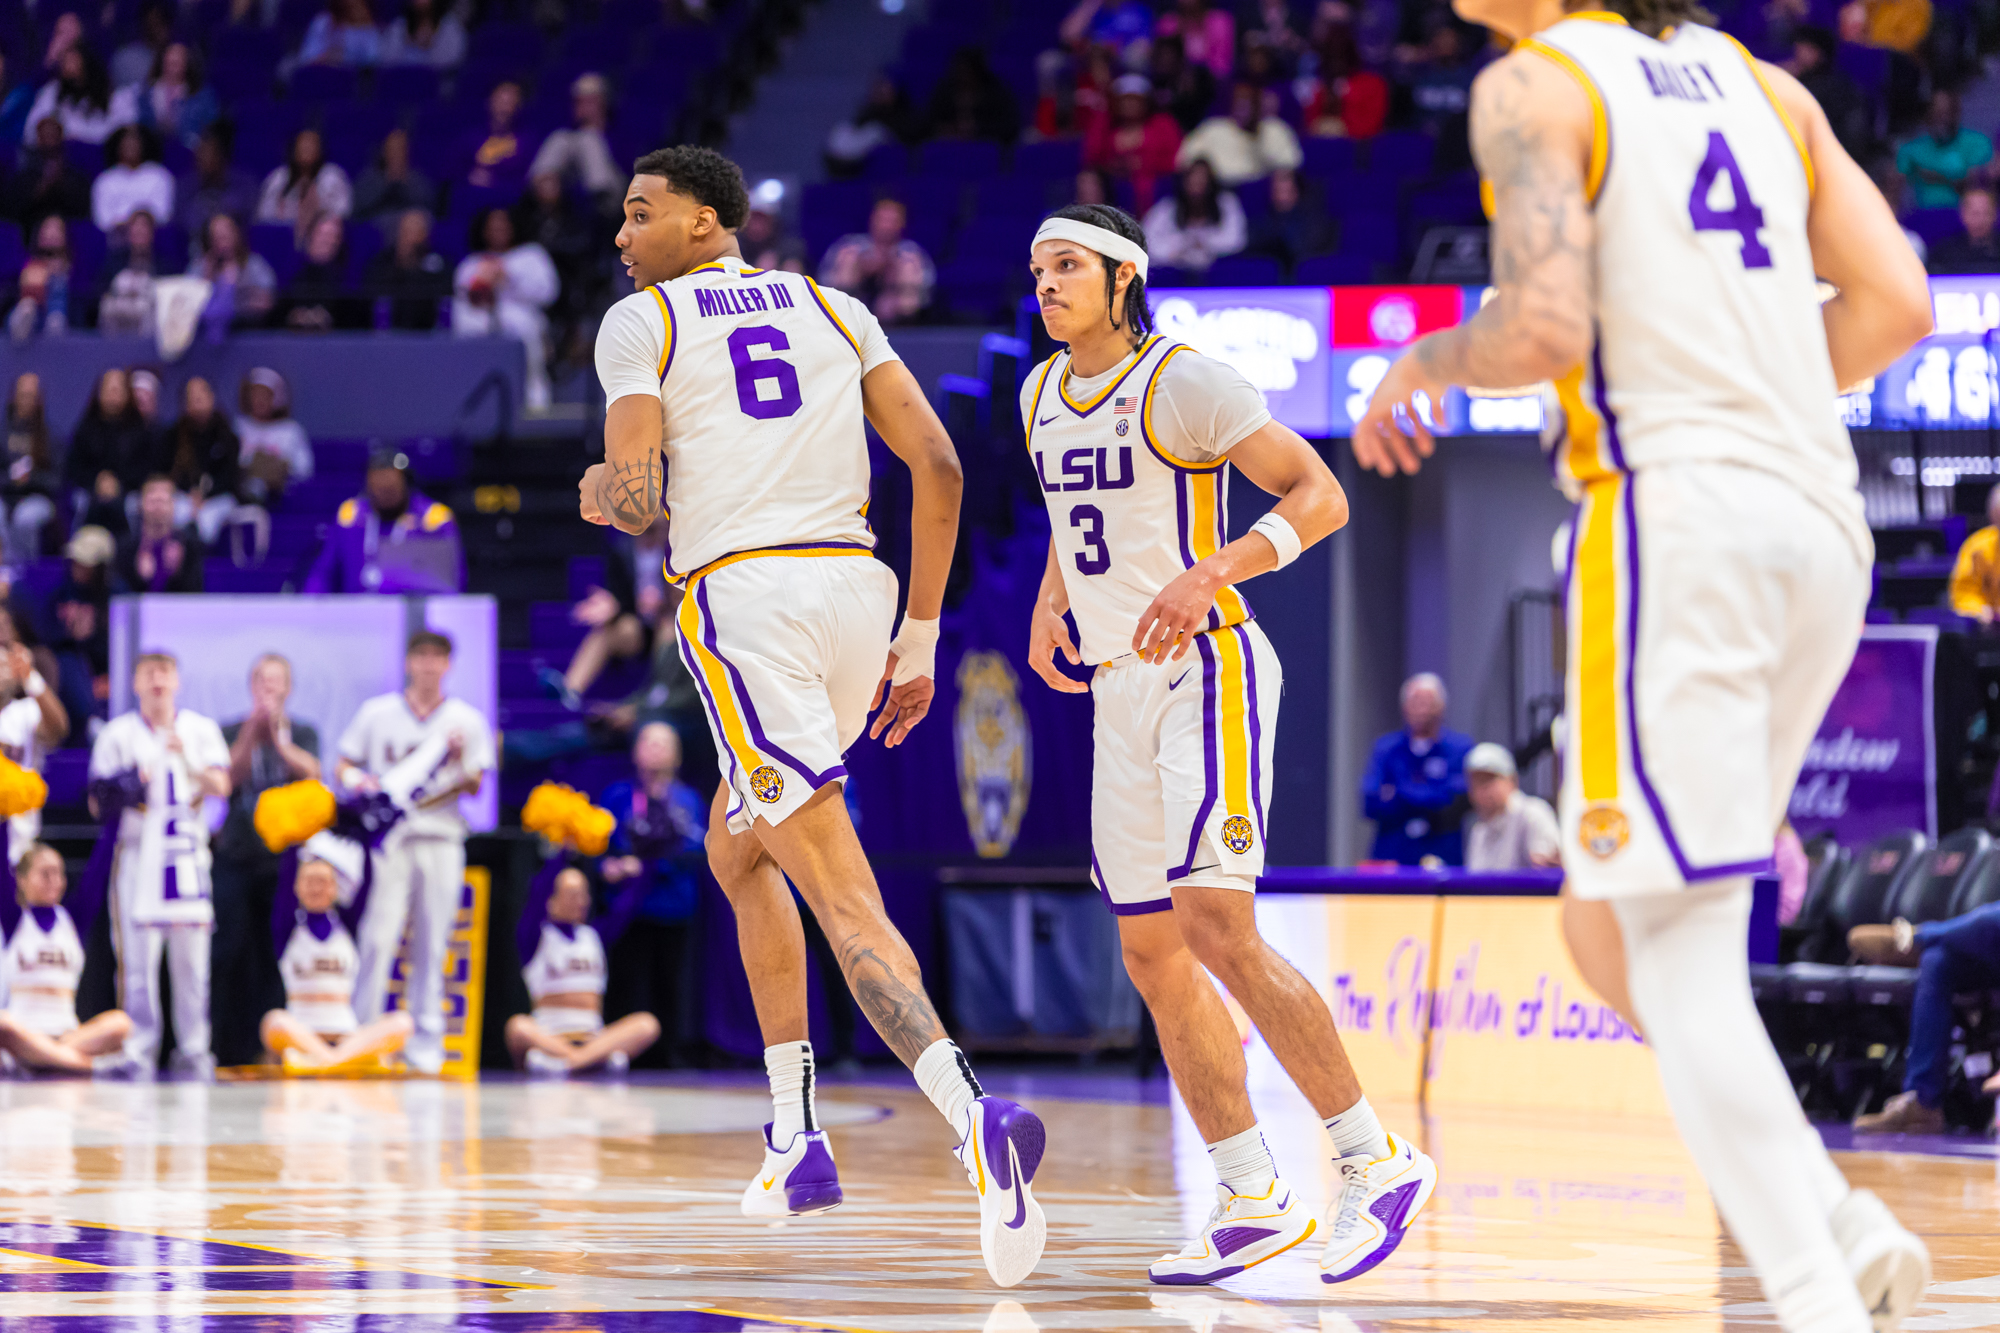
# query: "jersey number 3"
753, 374
1097, 558
1742, 217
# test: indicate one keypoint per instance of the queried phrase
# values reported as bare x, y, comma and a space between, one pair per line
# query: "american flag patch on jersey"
1120, 405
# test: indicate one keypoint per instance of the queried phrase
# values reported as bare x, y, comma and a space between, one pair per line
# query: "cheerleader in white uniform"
565, 971
318, 958
41, 961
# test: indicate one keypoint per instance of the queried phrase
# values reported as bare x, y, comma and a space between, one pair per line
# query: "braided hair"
1654, 17
1138, 315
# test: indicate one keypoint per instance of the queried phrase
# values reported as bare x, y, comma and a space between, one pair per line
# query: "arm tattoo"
628, 493
904, 1017
1542, 243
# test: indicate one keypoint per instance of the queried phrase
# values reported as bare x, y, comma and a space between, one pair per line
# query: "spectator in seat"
1414, 788
1975, 249
43, 304
203, 457
1939, 161
46, 182
32, 483
392, 184
1296, 226
581, 153
622, 617
133, 61
883, 268
1091, 187
108, 453
410, 274
1181, 88
16, 97
82, 605
125, 306
305, 187
1273, 26
318, 298
763, 238
1198, 225
162, 556
276, 452
213, 186
1510, 830
146, 402
81, 98
344, 33
1975, 579
1951, 957
245, 288
971, 102
550, 218
176, 103
1136, 143
66, 32
1244, 145
1346, 100
1121, 26
1847, 108
1208, 35
392, 538
503, 290
132, 180
885, 116
500, 156
427, 32
1440, 87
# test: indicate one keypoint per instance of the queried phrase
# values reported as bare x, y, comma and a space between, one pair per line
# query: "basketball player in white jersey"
563, 961
1131, 435
426, 749
172, 760
1663, 207
319, 961
41, 961
758, 387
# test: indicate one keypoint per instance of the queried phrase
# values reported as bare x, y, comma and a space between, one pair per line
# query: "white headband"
1107, 243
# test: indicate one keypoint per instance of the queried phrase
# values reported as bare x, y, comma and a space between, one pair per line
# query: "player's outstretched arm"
1311, 503
624, 490
1531, 133
902, 416
1884, 301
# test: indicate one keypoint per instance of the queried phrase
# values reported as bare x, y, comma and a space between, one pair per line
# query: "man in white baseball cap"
1510, 829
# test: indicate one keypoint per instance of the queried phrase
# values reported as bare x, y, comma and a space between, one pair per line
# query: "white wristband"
915, 648
34, 686
1281, 535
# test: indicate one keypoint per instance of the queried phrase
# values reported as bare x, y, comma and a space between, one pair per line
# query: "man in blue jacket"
1414, 788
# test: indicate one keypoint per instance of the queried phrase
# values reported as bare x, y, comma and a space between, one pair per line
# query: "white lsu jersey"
1710, 345
386, 730
759, 377
1128, 516
40, 969
569, 960
319, 976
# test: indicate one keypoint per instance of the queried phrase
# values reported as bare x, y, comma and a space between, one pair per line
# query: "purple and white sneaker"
795, 1181
1002, 1147
1378, 1201
1242, 1232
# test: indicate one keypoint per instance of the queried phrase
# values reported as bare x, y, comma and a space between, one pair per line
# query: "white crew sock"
1690, 983
790, 1065
1356, 1130
1243, 1163
946, 1078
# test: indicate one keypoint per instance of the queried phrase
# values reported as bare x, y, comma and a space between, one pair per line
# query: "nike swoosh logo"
768, 1183
1196, 870
1043, 421
1183, 676
1020, 1205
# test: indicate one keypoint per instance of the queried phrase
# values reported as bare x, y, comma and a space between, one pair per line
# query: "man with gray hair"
1510, 829
582, 152
1414, 788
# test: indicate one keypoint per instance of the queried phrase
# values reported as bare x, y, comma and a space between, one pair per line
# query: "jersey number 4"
753, 374
1742, 216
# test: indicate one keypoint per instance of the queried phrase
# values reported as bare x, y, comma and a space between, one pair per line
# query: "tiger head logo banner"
994, 754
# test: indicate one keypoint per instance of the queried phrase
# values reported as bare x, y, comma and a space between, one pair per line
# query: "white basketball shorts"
1713, 612
786, 647
1182, 774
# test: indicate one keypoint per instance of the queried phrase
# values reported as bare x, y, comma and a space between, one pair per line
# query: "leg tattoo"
903, 1016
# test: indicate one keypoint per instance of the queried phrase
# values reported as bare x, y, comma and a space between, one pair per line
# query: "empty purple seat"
406, 85
829, 210
1371, 235
1882, 615
551, 630
1942, 616
1255, 196
12, 252
1866, 65
962, 158
1049, 158
1934, 224
1245, 271
315, 85
1166, 275
353, 132
1326, 157
1003, 239
1401, 153
886, 162
86, 252
273, 240
1334, 271
519, 43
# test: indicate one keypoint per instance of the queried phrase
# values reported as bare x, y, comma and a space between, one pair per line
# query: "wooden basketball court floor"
536, 1207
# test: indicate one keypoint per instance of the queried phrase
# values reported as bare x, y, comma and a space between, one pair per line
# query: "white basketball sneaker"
1378, 1200
799, 1180
1002, 1149
1891, 1267
1242, 1232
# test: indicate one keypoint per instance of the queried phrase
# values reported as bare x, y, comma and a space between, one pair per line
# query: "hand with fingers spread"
908, 703
1178, 614
1048, 634
1392, 436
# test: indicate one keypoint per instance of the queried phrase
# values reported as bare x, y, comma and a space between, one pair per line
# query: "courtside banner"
1872, 769
464, 976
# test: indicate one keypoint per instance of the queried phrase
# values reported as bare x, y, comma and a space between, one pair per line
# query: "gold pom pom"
286, 816
21, 789
566, 817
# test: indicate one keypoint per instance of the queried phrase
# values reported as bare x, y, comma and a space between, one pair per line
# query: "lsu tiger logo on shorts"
767, 784
1237, 835
1603, 831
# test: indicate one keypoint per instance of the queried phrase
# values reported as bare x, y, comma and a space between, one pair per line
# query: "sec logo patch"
1122, 427
1603, 831
1237, 835
767, 784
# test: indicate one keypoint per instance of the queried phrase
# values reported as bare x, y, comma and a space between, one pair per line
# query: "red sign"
1393, 316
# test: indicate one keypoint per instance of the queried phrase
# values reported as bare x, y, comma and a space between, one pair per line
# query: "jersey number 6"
752, 373
1091, 520
1744, 217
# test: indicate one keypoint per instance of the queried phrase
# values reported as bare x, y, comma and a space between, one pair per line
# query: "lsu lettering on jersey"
569, 960
759, 376
320, 964
1128, 514
1710, 344
40, 966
